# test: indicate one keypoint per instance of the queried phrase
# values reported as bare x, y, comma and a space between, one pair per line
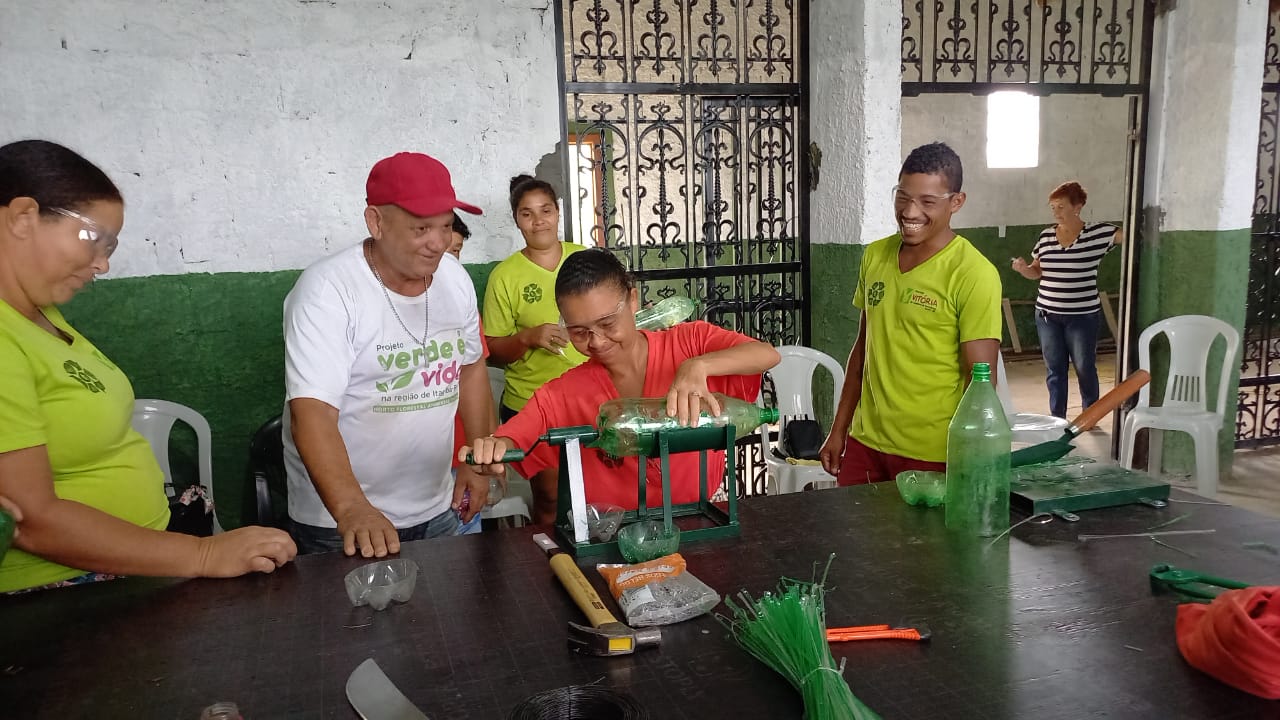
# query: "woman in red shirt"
598, 302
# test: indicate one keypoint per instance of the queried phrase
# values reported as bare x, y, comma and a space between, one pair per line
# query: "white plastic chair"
153, 419
793, 381
519, 492
1185, 406
498, 385
1028, 428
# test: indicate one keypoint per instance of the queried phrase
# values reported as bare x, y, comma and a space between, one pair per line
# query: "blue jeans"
1074, 338
312, 539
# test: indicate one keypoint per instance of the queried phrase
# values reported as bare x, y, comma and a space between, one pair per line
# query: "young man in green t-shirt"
930, 309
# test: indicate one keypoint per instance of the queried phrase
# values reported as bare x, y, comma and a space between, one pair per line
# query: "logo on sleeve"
532, 293
875, 294
83, 376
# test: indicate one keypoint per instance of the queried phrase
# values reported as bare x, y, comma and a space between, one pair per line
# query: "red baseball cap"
417, 183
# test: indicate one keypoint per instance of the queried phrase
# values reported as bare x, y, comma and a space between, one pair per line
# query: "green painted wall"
833, 274
1194, 272
211, 342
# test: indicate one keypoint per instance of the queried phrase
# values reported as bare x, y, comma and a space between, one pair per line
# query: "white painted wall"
1206, 89
1082, 138
241, 133
856, 78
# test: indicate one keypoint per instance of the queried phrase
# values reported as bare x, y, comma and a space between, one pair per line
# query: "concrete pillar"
1206, 95
855, 120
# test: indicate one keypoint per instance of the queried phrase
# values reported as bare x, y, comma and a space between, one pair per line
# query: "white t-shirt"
396, 399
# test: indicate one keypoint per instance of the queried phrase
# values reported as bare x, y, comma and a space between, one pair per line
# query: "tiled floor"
1255, 475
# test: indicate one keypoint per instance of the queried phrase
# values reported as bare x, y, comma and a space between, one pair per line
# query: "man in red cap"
382, 349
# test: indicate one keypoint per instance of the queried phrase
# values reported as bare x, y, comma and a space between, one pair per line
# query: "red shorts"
861, 465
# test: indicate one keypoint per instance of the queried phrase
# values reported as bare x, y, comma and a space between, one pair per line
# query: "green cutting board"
1073, 485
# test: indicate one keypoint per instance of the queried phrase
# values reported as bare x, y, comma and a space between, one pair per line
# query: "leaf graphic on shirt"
400, 381
396, 383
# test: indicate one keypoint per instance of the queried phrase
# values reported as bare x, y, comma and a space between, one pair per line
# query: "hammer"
607, 637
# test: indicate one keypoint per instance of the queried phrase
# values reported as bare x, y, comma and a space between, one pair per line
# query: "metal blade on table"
375, 697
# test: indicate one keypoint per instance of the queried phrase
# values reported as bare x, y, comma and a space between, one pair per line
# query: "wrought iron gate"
685, 123
1042, 46
1258, 413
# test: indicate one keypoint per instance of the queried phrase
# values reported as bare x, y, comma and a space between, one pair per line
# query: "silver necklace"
426, 298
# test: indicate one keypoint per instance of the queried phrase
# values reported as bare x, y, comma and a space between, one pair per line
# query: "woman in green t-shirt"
90, 489
521, 321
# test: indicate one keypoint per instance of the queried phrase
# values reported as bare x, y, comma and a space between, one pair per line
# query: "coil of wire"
579, 702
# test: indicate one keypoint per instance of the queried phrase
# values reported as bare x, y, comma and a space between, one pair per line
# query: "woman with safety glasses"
90, 489
686, 364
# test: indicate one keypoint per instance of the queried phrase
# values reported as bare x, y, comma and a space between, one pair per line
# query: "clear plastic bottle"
978, 473
221, 711
627, 425
496, 492
665, 314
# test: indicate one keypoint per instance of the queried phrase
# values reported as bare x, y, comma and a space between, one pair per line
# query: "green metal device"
1191, 585
663, 444
1068, 486
660, 444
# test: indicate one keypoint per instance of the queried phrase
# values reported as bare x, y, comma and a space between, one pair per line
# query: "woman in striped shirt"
1065, 261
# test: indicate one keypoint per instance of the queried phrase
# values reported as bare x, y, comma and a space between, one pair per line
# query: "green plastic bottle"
669, 312
978, 473
627, 425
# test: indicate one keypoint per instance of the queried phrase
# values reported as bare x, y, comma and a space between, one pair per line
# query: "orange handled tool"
876, 632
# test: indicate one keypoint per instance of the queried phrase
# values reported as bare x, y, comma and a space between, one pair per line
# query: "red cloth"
460, 435
860, 465
574, 398
1236, 639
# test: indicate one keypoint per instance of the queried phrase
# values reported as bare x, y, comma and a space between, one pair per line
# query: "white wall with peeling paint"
241, 133
855, 117
1206, 89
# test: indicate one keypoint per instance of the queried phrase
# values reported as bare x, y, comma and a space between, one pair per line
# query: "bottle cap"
981, 371
769, 415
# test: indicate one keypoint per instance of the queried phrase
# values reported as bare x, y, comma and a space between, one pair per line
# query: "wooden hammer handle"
581, 591
1112, 400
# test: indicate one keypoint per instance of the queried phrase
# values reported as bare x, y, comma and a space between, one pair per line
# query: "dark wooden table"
1039, 626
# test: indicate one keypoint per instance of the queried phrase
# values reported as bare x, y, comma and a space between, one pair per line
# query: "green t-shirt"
522, 294
912, 378
75, 402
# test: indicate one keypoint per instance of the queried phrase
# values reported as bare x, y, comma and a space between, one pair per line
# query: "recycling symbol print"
84, 377
532, 293
875, 294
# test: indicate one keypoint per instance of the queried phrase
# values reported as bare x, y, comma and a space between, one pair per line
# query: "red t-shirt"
574, 398
460, 435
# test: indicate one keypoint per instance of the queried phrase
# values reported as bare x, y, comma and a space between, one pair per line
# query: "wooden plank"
1013, 327
1109, 314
